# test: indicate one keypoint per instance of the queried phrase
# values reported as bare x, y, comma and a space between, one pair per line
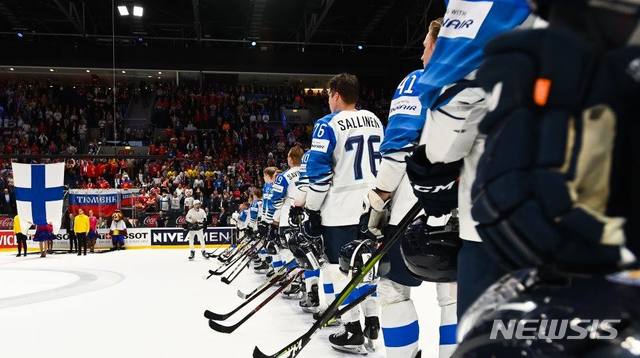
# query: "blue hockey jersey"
267, 204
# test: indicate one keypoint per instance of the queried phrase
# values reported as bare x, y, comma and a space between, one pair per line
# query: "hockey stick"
228, 329
228, 254
278, 273
352, 304
217, 272
221, 317
243, 254
293, 348
236, 272
213, 254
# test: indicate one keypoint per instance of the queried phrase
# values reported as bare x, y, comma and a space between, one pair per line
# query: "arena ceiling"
297, 35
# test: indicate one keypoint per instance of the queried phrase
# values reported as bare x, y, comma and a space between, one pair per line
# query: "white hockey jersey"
342, 165
284, 192
196, 216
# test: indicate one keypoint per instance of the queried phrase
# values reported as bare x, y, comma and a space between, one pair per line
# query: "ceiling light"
20, 34
88, 71
123, 10
159, 77
360, 47
137, 11
123, 71
149, 76
11, 69
159, 72
51, 70
253, 44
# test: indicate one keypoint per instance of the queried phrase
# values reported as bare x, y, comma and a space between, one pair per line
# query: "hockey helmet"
431, 253
354, 255
307, 250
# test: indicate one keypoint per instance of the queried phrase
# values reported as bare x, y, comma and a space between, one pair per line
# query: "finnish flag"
39, 193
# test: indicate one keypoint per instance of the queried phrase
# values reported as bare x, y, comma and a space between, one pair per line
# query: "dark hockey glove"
296, 215
263, 229
274, 233
312, 227
434, 184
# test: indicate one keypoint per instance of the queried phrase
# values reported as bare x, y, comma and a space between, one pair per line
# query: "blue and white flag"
466, 28
39, 193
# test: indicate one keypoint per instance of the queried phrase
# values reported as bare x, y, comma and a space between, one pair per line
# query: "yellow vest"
81, 224
16, 225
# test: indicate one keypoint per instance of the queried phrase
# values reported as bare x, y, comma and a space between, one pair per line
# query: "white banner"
138, 238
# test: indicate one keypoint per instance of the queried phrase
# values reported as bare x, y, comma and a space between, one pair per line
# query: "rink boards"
137, 238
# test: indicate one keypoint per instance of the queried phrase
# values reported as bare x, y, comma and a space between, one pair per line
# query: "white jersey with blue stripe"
407, 115
243, 219
284, 190
255, 213
343, 163
303, 181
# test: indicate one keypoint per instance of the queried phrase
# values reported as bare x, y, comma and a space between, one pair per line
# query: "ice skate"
349, 338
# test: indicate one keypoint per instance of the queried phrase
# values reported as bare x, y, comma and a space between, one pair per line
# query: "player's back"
292, 176
354, 139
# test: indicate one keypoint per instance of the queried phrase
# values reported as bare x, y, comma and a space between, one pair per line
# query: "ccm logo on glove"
434, 189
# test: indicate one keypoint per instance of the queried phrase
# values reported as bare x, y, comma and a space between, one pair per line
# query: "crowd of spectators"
212, 143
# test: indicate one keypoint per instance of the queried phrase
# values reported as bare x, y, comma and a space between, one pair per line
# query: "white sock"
447, 300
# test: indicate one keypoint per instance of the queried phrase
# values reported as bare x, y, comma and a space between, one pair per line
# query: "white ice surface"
149, 303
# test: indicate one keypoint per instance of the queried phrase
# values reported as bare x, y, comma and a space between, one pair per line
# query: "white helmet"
196, 202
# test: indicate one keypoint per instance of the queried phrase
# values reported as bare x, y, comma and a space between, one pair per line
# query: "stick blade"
242, 295
225, 280
212, 315
220, 328
257, 353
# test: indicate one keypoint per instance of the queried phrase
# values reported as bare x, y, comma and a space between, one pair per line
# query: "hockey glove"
263, 229
374, 213
434, 184
296, 215
313, 226
273, 233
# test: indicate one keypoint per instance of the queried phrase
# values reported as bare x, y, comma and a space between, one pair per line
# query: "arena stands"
213, 141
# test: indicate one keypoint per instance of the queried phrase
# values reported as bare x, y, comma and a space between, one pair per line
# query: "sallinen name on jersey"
358, 122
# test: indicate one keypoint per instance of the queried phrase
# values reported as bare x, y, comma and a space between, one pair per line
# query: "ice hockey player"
559, 142
342, 166
434, 113
399, 319
196, 221
240, 219
284, 191
310, 302
268, 176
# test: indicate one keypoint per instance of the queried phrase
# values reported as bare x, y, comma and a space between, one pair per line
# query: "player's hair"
434, 28
295, 153
258, 193
270, 171
346, 85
